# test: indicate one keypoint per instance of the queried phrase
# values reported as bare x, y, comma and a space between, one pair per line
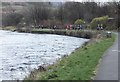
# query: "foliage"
79, 22
11, 19
99, 20
66, 13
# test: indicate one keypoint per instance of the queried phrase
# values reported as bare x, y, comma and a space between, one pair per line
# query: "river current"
20, 53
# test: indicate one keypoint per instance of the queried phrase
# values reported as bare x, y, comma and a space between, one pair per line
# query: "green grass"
44, 30
79, 65
11, 28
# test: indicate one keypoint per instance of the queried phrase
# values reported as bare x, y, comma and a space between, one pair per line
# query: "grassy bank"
10, 28
76, 33
80, 65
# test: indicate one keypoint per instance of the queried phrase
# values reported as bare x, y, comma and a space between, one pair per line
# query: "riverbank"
21, 53
88, 34
79, 65
76, 33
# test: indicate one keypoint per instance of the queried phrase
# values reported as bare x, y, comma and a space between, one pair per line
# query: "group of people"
70, 27
100, 27
80, 27
76, 27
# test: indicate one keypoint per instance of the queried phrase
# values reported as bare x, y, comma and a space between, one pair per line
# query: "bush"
99, 20
79, 22
11, 19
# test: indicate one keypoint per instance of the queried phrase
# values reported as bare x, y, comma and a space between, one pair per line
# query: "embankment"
88, 34
79, 65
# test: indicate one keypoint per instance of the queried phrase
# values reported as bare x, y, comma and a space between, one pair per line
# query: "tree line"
61, 13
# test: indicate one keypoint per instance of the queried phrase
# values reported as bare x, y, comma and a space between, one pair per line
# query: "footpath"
108, 67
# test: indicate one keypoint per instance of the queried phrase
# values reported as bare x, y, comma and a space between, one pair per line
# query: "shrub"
11, 19
99, 20
79, 22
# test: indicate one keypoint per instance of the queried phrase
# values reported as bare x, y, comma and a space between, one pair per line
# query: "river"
20, 53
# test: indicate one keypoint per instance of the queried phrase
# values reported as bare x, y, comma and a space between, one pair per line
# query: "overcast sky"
59, 0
